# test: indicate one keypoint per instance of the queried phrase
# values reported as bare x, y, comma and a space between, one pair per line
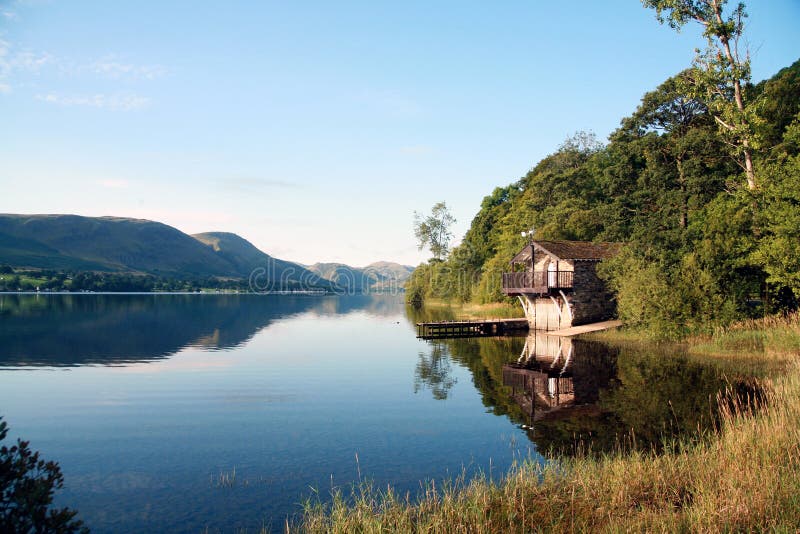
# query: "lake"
221, 412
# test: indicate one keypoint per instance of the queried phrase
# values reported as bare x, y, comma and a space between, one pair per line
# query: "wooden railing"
537, 281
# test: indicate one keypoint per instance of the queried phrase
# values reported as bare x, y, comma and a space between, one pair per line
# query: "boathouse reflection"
576, 396
556, 377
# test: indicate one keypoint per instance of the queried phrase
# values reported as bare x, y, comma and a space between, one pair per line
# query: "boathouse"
557, 283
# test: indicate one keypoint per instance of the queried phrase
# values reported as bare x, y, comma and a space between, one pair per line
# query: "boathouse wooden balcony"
537, 282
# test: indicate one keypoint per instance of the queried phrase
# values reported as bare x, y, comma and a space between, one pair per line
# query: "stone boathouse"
557, 283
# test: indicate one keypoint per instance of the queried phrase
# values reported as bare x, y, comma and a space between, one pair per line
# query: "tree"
27, 484
433, 231
777, 251
677, 138
720, 74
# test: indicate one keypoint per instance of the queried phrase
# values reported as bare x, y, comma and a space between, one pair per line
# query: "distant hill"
244, 256
115, 244
378, 276
391, 270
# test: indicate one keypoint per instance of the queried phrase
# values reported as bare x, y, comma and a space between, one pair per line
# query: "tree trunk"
737, 96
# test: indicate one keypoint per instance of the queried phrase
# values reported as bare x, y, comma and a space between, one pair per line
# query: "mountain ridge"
377, 276
128, 245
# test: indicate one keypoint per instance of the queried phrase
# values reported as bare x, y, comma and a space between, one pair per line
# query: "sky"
316, 129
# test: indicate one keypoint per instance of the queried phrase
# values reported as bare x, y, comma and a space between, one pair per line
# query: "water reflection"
434, 372
82, 329
573, 396
556, 377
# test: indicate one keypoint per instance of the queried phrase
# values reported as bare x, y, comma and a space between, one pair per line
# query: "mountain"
378, 276
105, 243
245, 257
116, 244
391, 270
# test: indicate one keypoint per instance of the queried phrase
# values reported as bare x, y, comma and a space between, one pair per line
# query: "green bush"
27, 484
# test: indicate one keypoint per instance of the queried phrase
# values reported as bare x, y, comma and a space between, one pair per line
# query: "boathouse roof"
570, 250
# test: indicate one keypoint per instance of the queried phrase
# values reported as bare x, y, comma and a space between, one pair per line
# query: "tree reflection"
433, 371
578, 397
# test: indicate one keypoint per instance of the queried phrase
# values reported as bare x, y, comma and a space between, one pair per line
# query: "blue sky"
315, 129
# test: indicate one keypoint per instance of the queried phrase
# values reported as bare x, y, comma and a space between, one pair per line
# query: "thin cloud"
13, 63
16, 64
30, 61
114, 102
111, 68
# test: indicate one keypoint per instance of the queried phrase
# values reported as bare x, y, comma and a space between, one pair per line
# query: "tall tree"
720, 73
433, 231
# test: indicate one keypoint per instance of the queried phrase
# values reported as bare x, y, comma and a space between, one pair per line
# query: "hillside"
106, 243
114, 244
378, 276
391, 270
245, 257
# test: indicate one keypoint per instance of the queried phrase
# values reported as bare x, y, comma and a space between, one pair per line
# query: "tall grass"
775, 335
746, 477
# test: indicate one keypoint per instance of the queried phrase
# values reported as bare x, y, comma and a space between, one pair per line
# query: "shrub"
27, 484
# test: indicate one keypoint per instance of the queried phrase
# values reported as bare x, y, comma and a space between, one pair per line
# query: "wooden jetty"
480, 328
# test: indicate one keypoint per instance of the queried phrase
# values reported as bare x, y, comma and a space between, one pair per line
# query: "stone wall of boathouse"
591, 301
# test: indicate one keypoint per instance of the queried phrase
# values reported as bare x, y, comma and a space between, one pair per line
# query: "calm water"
151, 403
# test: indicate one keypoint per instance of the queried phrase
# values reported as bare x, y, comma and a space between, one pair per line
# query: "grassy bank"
468, 311
745, 477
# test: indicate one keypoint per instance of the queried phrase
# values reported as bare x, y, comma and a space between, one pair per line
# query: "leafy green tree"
433, 231
720, 73
779, 103
778, 250
27, 484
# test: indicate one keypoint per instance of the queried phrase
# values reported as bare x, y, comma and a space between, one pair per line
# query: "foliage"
720, 75
27, 484
670, 303
779, 249
433, 231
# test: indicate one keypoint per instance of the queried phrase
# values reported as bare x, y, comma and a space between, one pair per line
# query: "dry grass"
744, 478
